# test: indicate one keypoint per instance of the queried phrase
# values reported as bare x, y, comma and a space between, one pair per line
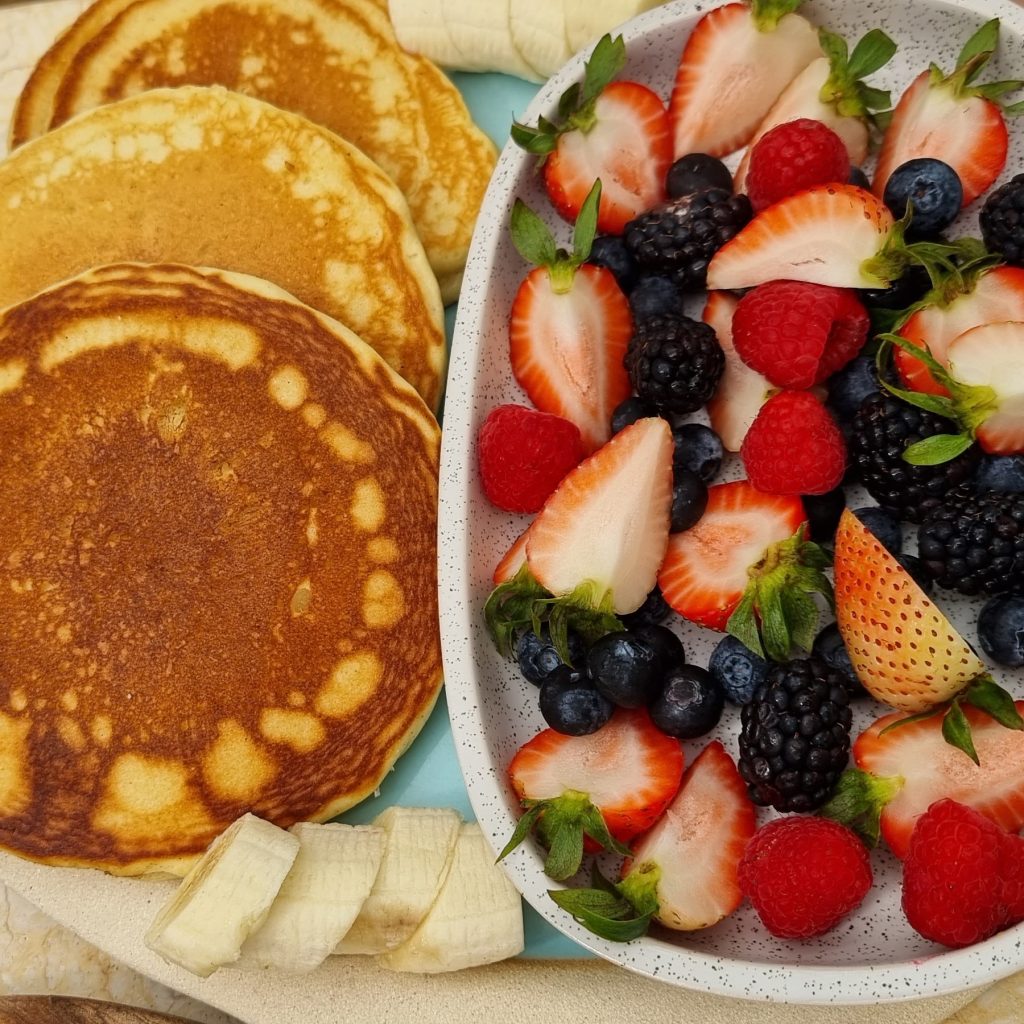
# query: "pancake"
218, 559
336, 62
206, 176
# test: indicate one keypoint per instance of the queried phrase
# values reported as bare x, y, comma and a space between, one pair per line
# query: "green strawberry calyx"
977, 52
858, 801
768, 13
844, 88
618, 912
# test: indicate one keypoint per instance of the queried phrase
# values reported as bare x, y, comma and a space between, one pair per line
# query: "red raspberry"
524, 454
794, 156
962, 876
798, 334
803, 875
794, 446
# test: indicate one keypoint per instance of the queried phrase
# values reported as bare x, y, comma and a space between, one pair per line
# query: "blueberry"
829, 646
624, 669
538, 658
699, 448
629, 411
913, 565
655, 609
667, 647
610, 251
694, 172
903, 292
690, 703
1001, 630
689, 500
859, 178
654, 296
1003, 473
823, 512
934, 189
570, 704
885, 525
848, 387
737, 669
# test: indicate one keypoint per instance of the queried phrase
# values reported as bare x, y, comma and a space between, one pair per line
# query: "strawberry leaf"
956, 731
768, 13
604, 910
533, 140
993, 90
988, 696
586, 225
858, 801
532, 237
742, 624
871, 54
801, 615
1014, 110
982, 43
937, 449
607, 59
920, 716
511, 607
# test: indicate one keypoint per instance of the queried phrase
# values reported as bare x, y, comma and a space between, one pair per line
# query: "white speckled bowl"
874, 955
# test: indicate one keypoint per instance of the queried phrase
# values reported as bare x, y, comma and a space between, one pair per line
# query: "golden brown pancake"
217, 566
337, 62
209, 177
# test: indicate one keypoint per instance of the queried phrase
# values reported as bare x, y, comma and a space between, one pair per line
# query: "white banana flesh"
420, 28
330, 880
225, 897
482, 35
477, 918
417, 857
538, 33
587, 20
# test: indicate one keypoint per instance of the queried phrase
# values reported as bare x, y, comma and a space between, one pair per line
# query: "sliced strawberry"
570, 326
614, 132
512, 561
742, 391
737, 61
950, 118
605, 529
611, 786
931, 769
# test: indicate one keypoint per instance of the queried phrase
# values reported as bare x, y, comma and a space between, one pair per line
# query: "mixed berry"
844, 342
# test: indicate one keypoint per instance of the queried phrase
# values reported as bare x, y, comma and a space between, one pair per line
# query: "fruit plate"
873, 955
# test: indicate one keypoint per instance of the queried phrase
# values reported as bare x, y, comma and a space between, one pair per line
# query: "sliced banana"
587, 20
477, 917
482, 35
417, 855
331, 878
225, 897
538, 33
420, 28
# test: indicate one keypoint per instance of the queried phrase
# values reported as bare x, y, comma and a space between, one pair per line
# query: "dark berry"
689, 500
667, 647
570, 704
1001, 630
695, 172
538, 658
610, 251
653, 296
859, 178
884, 525
629, 411
737, 669
829, 646
823, 512
917, 572
655, 609
699, 448
850, 386
690, 703
1004, 473
1002, 221
625, 669
934, 189
903, 292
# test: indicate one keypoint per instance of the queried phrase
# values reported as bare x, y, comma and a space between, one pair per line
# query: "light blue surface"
428, 774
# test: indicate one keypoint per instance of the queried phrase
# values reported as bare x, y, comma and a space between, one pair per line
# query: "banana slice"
420, 28
587, 20
417, 855
321, 897
538, 33
477, 917
225, 897
481, 33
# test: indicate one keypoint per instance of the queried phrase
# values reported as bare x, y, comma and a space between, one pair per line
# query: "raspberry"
963, 877
523, 456
794, 156
794, 446
803, 875
798, 334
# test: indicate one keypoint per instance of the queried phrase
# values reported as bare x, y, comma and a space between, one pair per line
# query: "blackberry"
1002, 221
974, 543
678, 238
883, 428
674, 362
795, 735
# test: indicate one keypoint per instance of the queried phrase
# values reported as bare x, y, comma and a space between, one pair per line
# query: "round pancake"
217, 566
205, 176
336, 62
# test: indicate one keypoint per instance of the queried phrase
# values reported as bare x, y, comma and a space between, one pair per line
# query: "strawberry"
797, 334
683, 871
746, 561
512, 561
794, 446
615, 132
570, 325
830, 90
803, 875
736, 62
741, 391
952, 119
610, 786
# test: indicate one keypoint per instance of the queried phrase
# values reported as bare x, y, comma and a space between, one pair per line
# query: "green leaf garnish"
616, 912
956, 731
843, 89
858, 802
973, 58
988, 696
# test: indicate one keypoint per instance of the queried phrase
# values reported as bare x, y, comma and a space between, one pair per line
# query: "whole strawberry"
523, 455
794, 446
803, 875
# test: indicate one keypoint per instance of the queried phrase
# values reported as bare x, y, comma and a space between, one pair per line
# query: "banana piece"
225, 897
417, 855
420, 28
477, 917
482, 35
587, 20
538, 33
331, 878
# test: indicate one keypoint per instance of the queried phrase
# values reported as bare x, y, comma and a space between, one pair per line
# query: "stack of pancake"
217, 553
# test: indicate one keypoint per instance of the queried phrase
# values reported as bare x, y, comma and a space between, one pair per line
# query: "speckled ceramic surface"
873, 955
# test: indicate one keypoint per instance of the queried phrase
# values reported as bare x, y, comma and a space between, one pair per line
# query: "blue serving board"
428, 774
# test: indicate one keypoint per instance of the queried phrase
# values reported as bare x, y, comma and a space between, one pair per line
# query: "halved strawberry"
952, 119
512, 561
609, 786
570, 326
742, 391
746, 561
736, 63
615, 132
